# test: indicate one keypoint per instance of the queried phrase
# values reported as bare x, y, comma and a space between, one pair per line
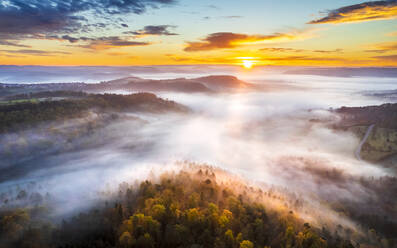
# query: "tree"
126, 239
229, 238
246, 244
145, 241
158, 212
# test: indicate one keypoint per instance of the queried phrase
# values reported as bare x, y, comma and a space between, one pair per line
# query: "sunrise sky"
159, 32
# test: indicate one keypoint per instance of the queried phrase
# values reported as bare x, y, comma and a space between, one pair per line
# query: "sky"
178, 32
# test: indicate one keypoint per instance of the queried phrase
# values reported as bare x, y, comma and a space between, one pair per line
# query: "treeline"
378, 217
182, 210
384, 115
27, 114
47, 94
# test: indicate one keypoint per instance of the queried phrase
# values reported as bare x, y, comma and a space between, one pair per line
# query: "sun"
248, 64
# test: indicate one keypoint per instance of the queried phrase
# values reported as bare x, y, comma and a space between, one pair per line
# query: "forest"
20, 115
384, 115
189, 208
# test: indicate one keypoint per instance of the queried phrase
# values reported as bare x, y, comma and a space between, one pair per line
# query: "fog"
275, 139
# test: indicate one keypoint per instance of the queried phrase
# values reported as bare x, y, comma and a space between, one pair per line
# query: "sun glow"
248, 64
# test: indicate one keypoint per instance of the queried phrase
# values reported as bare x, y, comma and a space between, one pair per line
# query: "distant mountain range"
391, 95
92, 74
346, 71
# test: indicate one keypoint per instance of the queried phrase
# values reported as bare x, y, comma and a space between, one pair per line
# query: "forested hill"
22, 114
187, 209
209, 84
384, 115
381, 144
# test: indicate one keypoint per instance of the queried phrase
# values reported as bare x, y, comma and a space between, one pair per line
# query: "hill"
209, 84
381, 145
224, 81
72, 105
190, 208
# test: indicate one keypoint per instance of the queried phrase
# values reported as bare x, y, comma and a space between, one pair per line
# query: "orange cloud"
262, 60
390, 58
383, 47
367, 11
223, 40
293, 50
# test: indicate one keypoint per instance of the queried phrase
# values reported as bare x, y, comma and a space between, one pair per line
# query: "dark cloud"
70, 39
367, 11
26, 19
124, 25
31, 17
224, 40
153, 30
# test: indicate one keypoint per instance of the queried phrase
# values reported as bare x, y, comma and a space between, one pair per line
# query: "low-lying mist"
279, 139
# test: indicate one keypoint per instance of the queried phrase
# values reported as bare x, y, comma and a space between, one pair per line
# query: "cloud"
27, 19
233, 17
34, 52
10, 43
70, 39
367, 11
103, 43
99, 43
338, 50
389, 58
153, 30
259, 60
224, 40
383, 47
117, 54
223, 17
283, 49
303, 58
211, 6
